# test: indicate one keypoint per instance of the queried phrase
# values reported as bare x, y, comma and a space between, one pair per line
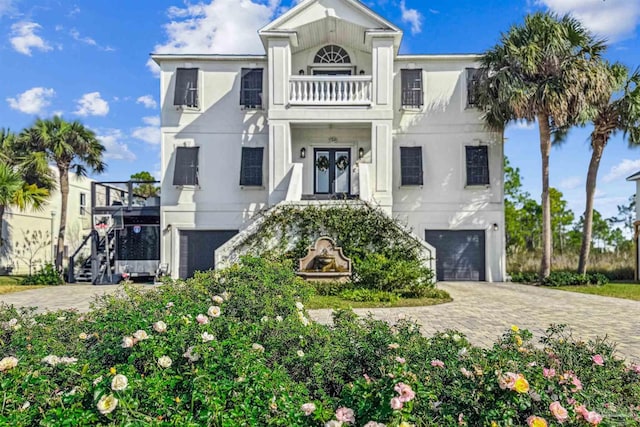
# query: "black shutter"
477, 165
411, 165
186, 92
411, 81
251, 88
185, 171
251, 166
473, 78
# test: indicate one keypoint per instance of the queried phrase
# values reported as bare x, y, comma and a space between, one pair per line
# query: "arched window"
332, 54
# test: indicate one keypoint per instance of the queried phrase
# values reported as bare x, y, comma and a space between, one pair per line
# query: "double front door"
332, 171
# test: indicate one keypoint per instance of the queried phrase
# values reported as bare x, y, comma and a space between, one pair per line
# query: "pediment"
310, 11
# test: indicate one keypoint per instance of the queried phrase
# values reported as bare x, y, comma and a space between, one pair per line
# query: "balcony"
330, 90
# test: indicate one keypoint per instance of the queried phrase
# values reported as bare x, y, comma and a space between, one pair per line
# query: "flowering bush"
149, 358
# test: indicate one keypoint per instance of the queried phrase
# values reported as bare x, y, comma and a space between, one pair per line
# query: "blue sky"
89, 60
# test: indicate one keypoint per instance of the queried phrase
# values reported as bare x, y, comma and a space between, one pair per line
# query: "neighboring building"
636, 225
332, 109
16, 255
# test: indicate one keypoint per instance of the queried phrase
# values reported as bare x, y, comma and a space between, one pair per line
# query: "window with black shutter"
185, 171
477, 165
411, 88
411, 165
186, 93
251, 88
251, 167
473, 78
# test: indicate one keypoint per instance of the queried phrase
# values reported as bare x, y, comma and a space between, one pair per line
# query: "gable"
309, 11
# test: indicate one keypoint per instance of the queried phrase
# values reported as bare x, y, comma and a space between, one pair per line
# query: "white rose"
160, 327
140, 335
83, 336
217, 299
8, 363
257, 347
51, 360
127, 342
68, 360
107, 404
299, 305
214, 311
300, 353
165, 362
278, 318
119, 382
206, 337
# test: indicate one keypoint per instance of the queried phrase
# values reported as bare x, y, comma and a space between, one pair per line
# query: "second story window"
411, 165
185, 171
332, 54
251, 88
412, 95
83, 203
473, 78
186, 92
477, 165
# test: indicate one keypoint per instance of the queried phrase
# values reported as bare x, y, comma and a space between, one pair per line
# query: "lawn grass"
10, 280
335, 302
617, 290
8, 289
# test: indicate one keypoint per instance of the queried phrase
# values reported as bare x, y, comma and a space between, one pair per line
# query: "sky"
89, 60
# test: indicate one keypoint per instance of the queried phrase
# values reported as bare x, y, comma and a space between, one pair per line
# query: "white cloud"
24, 38
151, 132
570, 183
613, 19
206, 28
91, 104
77, 37
623, 169
411, 16
523, 125
32, 101
147, 101
115, 149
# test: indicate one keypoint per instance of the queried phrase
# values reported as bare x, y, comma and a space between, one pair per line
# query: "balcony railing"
330, 90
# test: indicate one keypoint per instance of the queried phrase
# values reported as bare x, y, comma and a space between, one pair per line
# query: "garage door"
460, 254
197, 249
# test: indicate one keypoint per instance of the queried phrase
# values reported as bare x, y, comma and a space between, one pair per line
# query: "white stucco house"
636, 224
19, 226
330, 110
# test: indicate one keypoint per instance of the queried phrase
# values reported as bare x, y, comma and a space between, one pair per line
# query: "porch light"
301, 72
495, 226
360, 152
303, 153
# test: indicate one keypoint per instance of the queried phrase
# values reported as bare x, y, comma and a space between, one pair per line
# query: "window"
473, 78
186, 93
477, 165
83, 203
251, 167
411, 165
186, 167
332, 54
251, 88
411, 88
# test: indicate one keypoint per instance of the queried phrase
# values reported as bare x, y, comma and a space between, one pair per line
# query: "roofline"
306, 3
446, 56
157, 57
634, 177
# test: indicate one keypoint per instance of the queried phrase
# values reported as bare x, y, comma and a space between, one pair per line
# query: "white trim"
157, 58
443, 57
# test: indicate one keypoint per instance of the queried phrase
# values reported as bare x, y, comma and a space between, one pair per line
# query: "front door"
332, 171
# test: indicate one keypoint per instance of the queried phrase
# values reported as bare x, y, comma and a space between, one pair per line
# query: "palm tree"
618, 110
14, 191
540, 71
71, 147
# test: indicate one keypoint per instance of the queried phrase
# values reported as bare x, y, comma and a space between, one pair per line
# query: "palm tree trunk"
592, 176
64, 199
1, 225
545, 150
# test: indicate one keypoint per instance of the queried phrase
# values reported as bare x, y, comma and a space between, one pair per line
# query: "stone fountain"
325, 262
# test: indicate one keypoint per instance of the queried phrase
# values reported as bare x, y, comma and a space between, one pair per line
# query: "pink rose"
437, 363
507, 381
405, 392
598, 360
559, 411
396, 404
577, 383
202, 319
400, 360
308, 408
548, 373
345, 415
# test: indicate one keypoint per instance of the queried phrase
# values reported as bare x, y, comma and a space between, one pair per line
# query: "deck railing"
330, 90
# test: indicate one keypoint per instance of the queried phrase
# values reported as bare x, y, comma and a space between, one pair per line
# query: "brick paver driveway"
484, 311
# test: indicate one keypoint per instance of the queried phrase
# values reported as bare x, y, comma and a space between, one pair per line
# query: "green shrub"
524, 277
47, 275
368, 295
377, 272
562, 278
330, 288
241, 367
